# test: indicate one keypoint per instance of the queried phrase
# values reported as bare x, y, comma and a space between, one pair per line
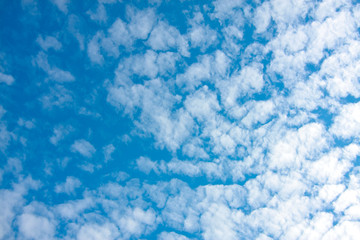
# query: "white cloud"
89, 167
222, 63
9, 200
195, 73
202, 105
108, 150
106, 231
289, 12
145, 165
2, 111
316, 228
342, 80
62, 5
212, 170
5, 137
262, 17
141, 22
347, 123
73, 209
171, 236
232, 42
164, 37
330, 34
195, 149
247, 82
136, 221
74, 25
295, 147
13, 165
218, 223
154, 100
241, 123
48, 42
59, 75
69, 186
12, 200
36, 227
99, 15
291, 41
328, 8
167, 63
118, 35
58, 96
259, 112
54, 73
26, 123
201, 35
347, 199
93, 49
332, 167
107, 1
353, 213
5, 78
59, 133
30, 6
150, 64
299, 44
308, 95
226, 9
345, 230
329, 192
83, 147
183, 167
145, 65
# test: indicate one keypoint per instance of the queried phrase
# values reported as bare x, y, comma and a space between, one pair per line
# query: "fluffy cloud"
97, 232
58, 96
62, 5
93, 50
35, 227
171, 236
141, 22
5, 137
12, 200
59, 133
69, 186
164, 37
54, 73
195, 74
201, 35
262, 17
5, 78
108, 150
83, 147
49, 42
347, 124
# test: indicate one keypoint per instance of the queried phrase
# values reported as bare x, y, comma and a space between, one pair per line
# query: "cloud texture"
180, 120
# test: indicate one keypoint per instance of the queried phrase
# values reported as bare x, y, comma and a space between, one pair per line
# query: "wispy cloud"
83, 147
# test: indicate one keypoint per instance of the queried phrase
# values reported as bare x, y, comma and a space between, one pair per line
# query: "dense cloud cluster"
228, 119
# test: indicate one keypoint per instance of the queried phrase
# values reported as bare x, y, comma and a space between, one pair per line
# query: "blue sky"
225, 119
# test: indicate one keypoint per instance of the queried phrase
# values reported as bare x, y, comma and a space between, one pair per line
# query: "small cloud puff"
83, 147
69, 186
7, 79
49, 42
